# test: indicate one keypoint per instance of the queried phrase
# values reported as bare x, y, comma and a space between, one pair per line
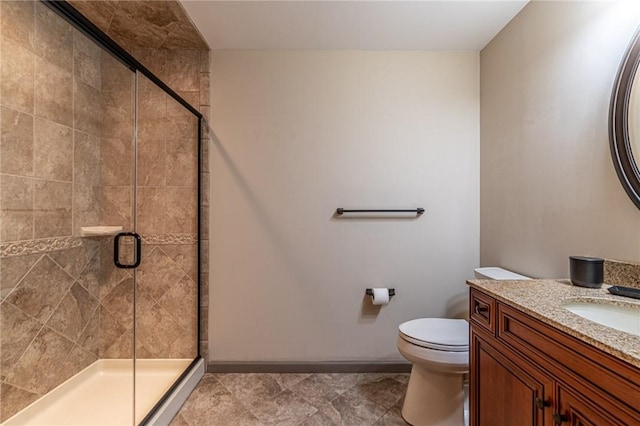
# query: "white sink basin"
621, 318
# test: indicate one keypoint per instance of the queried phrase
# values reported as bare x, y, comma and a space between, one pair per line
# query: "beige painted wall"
298, 134
548, 186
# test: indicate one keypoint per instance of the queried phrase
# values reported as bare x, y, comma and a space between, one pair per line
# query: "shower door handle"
137, 253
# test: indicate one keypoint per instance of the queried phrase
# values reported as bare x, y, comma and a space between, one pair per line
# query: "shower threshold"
102, 394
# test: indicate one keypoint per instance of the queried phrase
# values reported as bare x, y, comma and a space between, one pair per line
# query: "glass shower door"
166, 315
117, 211
88, 149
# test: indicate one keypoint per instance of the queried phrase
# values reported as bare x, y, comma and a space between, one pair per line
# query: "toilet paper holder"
369, 292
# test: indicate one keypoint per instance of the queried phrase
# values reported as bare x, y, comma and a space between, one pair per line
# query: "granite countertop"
543, 299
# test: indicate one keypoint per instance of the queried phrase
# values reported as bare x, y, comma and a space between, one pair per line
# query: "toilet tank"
493, 273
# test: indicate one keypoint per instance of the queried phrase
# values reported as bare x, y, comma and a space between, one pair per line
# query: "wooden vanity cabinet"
524, 372
506, 390
575, 410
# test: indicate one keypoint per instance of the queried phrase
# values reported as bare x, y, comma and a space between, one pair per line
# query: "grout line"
53, 311
34, 336
73, 134
22, 278
34, 178
48, 253
93, 313
33, 140
113, 314
31, 343
20, 387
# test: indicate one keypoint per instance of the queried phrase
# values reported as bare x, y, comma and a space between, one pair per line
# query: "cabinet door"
576, 410
505, 389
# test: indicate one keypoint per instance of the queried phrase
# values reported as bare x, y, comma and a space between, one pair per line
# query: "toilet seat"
451, 335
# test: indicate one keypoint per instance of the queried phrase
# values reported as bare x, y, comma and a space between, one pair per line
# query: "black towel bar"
417, 211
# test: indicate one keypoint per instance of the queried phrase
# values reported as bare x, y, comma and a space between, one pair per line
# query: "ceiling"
367, 25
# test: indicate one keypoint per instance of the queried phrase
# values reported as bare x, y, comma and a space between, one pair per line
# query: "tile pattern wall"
161, 36
116, 144
50, 117
143, 23
49, 314
50, 114
171, 187
165, 303
166, 206
65, 152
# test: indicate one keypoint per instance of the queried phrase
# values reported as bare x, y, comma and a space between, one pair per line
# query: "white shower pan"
102, 394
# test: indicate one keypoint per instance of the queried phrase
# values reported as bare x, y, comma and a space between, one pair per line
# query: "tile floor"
368, 399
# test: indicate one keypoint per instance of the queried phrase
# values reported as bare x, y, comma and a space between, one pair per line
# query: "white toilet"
438, 348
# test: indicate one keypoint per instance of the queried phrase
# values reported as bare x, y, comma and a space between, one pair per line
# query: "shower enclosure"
99, 228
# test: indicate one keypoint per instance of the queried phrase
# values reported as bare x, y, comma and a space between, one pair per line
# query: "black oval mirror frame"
619, 140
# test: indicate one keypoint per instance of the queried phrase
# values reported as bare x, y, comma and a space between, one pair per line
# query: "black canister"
586, 271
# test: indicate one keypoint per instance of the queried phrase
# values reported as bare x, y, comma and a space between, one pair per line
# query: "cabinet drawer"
482, 310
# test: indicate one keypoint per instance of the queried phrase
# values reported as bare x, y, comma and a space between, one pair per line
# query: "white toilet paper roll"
380, 296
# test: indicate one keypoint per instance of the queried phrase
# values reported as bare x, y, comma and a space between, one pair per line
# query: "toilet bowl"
438, 348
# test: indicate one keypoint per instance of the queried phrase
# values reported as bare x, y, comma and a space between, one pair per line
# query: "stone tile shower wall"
115, 204
161, 36
65, 162
50, 109
168, 221
166, 207
171, 188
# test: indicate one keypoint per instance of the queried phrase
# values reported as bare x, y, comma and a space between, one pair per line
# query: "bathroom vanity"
533, 362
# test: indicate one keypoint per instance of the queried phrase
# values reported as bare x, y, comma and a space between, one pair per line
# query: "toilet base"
434, 398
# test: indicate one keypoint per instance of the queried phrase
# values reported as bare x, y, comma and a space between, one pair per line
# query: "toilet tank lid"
494, 273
